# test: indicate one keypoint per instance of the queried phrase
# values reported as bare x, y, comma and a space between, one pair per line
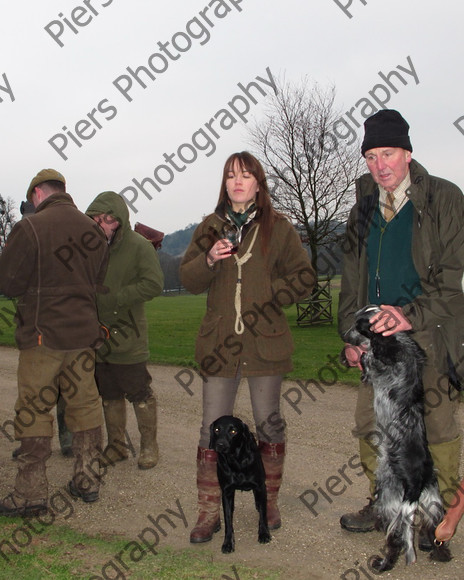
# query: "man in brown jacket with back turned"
53, 262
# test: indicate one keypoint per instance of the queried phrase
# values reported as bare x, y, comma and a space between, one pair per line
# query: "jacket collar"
53, 200
417, 192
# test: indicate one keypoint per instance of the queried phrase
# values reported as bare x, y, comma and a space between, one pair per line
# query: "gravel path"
323, 479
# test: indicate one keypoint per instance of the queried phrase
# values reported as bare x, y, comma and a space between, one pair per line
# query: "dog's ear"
363, 320
363, 326
246, 431
212, 435
386, 349
249, 446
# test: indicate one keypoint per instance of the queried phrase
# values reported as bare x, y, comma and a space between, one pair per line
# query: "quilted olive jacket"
268, 283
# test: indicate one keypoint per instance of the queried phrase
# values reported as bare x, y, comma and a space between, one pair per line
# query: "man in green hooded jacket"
133, 277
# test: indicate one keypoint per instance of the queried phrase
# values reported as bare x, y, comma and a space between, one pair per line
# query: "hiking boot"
30, 493
14, 506
363, 521
87, 496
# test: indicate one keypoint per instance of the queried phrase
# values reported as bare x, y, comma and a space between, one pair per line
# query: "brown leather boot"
273, 456
30, 494
209, 497
115, 420
365, 520
85, 482
146, 420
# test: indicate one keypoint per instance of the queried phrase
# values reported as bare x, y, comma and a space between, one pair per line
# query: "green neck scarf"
238, 218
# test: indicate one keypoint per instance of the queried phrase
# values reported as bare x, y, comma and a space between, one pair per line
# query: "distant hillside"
176, 243
170, 255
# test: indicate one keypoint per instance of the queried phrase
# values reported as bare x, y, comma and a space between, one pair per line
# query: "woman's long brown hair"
266, 214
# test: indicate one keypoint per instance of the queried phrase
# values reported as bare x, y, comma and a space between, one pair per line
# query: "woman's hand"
219, 251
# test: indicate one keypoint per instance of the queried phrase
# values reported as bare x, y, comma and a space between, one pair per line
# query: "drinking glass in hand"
231, 235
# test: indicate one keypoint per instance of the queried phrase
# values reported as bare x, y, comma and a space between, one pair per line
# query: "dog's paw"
228, 547
264, 537
380, 564
441, 553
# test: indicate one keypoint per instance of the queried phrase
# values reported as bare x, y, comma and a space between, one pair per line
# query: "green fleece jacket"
133, 277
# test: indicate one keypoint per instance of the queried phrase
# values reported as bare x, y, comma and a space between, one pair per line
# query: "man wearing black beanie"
406, 254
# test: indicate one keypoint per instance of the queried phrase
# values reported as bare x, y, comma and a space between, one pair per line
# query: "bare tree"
7, 219
310, 159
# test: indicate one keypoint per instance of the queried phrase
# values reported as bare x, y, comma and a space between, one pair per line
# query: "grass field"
173, 323
59, 553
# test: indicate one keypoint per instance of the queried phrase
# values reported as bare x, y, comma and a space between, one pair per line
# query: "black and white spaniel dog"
407, 494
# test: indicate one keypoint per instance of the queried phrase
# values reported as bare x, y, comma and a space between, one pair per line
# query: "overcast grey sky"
74, 95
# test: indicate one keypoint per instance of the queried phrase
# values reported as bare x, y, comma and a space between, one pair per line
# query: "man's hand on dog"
389, 321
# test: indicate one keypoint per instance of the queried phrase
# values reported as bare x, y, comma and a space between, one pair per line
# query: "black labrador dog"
239, 466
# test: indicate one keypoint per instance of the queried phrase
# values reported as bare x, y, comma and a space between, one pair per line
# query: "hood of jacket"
114, 205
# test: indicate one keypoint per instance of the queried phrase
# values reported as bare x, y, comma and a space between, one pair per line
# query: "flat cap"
44, 175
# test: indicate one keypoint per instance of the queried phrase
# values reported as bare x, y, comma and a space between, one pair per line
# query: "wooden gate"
316, 309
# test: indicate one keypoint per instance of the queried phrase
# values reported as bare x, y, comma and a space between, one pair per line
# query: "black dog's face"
226, 433
383, 351
363, 320
361, 329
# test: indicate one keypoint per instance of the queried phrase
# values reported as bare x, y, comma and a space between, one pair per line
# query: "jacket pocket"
208, 337
274, 344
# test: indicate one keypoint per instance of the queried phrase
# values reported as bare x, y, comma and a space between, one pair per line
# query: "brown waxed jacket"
268, 282
438, 255
53, 262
